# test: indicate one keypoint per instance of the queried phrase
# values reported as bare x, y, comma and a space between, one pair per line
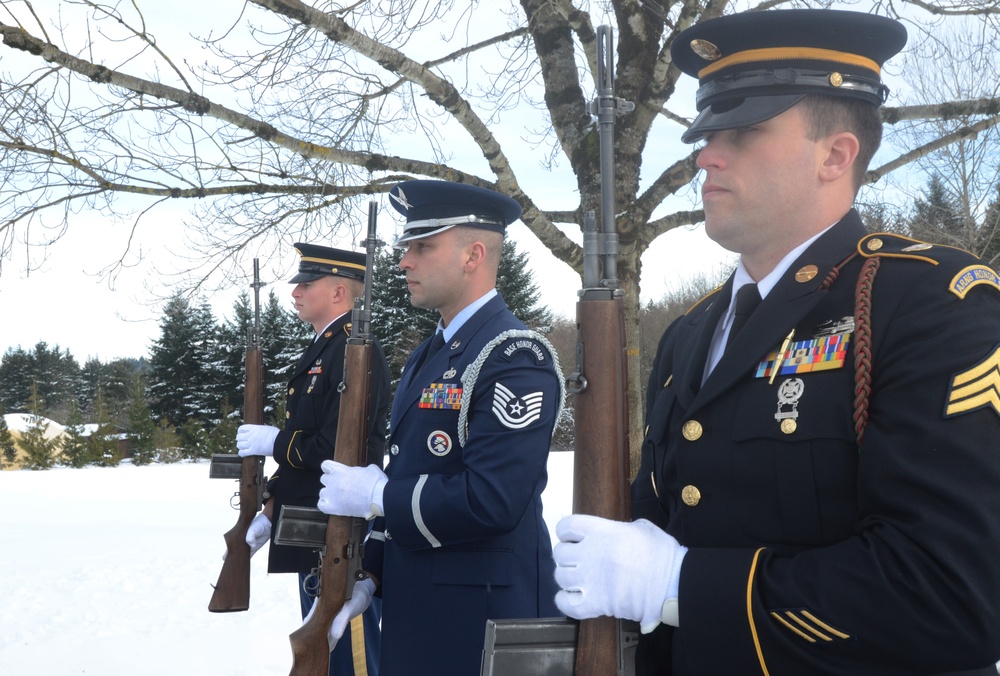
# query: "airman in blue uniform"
818, 488
459, 535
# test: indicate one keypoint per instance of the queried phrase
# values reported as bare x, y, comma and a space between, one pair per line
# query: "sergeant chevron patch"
516, 412
979, 387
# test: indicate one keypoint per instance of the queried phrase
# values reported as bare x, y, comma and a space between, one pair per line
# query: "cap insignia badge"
706, 50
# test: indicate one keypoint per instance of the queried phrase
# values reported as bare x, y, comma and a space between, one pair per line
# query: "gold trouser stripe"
753, 627
358, 645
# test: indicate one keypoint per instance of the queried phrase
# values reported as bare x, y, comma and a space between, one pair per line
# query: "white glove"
626, 570
255, 440
351, 491
258, 532
354, 606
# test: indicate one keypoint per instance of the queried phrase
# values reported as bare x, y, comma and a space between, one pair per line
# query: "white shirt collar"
465, 314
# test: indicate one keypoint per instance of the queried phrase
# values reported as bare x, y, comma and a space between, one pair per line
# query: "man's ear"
475, 255
840, 151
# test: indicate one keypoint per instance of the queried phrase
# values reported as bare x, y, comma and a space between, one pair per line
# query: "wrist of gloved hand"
611, 568
255, 440
360, 599
258, 533
352, 491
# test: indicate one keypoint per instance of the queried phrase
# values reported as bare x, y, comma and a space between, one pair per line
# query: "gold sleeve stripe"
753, 627
288, 451
358, 646
805, 625
821, 623
785, 622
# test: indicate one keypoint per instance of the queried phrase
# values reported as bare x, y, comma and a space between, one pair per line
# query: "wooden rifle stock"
232, 591
340, 562
600, 470
340, 559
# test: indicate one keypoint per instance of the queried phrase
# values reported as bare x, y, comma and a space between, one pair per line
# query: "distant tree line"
184, 401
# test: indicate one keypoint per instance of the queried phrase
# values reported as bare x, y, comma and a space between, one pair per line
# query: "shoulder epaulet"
890, 245
971, 271
704, 298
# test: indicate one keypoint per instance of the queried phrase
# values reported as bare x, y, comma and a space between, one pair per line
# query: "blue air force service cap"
755, 65
322, 261
431, 207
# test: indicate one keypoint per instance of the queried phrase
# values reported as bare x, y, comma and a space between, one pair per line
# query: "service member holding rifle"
458, 536
818, 489
326, 285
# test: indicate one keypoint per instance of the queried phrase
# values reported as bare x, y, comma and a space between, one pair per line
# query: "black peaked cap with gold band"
756, 65
431, 207
323, 261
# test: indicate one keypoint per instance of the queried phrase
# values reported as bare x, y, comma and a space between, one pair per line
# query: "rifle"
601, 463
232, 591
343, 545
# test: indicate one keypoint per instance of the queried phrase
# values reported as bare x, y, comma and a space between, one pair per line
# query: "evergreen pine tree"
284, 337
937, 216
105, 447
233, 334
179, 375
15, 380
8, 450
140, 427
519, 290
75, 444
988, 244
39, 450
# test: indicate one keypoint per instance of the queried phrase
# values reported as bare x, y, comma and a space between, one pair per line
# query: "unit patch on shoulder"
525, 344
979, 387
974, 275
515, 412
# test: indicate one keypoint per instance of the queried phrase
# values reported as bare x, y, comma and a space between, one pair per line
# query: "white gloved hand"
258, 532
255, 440
351, 491
627, 570
354, 606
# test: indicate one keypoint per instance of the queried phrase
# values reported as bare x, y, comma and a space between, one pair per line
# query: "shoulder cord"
862, 337
471, 374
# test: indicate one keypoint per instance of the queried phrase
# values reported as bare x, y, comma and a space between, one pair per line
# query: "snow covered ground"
108, 572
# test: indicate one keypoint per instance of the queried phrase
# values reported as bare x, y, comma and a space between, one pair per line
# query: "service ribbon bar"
441, 395
805, 356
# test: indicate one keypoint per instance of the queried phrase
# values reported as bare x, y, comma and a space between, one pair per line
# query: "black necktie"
437, 342
747, 300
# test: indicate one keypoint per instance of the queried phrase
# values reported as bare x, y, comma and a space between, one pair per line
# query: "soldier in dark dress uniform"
327, 283
459, 534
818, 491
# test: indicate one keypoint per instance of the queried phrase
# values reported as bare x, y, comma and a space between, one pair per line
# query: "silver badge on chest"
789, 393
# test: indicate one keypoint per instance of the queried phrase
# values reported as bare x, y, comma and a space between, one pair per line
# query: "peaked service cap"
431, 207
323, 261
755, 65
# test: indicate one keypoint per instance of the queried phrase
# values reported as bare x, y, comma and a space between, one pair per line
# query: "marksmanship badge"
789, 393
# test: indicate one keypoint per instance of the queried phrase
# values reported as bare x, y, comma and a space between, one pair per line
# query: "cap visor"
305, 277
751, 110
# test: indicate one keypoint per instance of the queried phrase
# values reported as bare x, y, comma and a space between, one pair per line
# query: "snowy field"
108, 572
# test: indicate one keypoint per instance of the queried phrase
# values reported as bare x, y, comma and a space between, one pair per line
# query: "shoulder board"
890, 245
972, 273
704, 298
